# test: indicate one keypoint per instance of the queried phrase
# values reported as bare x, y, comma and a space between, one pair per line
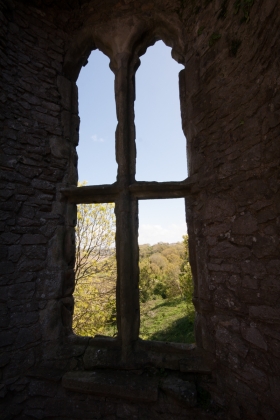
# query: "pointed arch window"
125, 193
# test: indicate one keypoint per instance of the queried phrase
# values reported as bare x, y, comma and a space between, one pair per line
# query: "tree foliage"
166, 290
95, 240
164, 271
185, 276
95, 269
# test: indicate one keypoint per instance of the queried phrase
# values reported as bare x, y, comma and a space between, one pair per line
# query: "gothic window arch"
125, 193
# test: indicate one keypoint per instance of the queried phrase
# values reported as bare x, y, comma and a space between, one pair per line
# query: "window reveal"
125, 193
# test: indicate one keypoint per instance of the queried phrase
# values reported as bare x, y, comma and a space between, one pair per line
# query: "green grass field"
169, 320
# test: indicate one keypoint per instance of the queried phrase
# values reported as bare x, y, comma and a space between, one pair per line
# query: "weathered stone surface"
113, 384
65, 90
236, 344
46, 389
49, 285
33, 239
196, 364
102, 357
22, 291
181, 390
219, 208
230, 117
273, 267
27, 336
265, 313
229, 251
250, 282
6, 338
244, 225
254, 336
50, 320
7, 267
59, 148
250, 374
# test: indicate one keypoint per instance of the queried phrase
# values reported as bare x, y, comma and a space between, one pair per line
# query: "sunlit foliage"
165, 285
185, 276
166, 291
95, 269
165, 270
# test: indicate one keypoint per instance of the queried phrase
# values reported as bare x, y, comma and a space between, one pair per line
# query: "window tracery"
125, 193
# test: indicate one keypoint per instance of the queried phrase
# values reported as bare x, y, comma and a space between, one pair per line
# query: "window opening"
161, 221
160, 142
165, 280
95, 270
126, 193
97, 110
95, 264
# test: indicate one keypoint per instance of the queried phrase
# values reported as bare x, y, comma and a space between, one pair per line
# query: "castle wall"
230, 105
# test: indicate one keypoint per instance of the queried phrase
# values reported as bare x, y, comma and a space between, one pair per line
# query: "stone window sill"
154, 368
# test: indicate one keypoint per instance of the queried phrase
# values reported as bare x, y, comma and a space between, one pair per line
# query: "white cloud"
152, 234
98, 139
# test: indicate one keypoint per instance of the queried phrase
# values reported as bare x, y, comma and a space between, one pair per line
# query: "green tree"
167, 312
95, 269
159, 270
185, 276
147, 278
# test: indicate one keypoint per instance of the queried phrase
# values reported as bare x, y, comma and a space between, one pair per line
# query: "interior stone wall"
231, 120
230, 105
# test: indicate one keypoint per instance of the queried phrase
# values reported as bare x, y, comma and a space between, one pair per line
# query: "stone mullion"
128, 318
137, 190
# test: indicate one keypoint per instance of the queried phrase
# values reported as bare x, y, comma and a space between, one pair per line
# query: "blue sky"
160, 143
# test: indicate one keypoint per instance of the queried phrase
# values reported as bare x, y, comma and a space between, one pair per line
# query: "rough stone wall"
232, 121
34, 296
230, 111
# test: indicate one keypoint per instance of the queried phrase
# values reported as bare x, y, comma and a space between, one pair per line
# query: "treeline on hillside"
165, 270
166, 288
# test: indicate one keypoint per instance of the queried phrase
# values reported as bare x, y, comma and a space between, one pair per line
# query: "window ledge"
133, 386
174, 369
105, 352
118, 384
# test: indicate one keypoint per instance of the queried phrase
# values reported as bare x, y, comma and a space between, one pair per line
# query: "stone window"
125, 193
